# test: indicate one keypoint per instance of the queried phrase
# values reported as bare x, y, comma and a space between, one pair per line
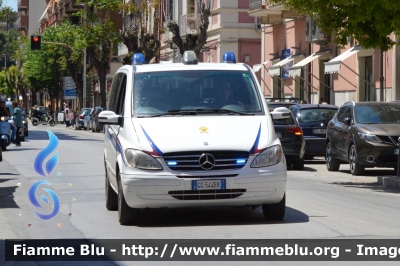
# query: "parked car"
93, 123
313, 119
291, 136
80, 121
364, 134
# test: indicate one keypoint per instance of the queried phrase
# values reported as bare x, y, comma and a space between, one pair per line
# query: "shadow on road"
42, 135
214, 216
6, 196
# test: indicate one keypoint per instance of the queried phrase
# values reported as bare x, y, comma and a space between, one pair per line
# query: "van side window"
121, 96
116, 84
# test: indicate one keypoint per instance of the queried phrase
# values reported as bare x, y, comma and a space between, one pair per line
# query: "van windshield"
184, 91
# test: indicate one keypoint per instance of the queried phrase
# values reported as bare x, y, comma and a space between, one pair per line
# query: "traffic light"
36, 42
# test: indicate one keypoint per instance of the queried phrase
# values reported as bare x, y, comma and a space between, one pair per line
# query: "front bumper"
146, 189
383, 155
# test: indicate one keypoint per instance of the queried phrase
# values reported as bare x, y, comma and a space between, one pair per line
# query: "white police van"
190, 134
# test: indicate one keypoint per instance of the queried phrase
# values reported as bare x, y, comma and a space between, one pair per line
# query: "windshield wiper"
225, 111
172, 112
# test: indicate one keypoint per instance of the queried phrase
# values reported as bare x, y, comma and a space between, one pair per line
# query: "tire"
111, 196
298, 164
126, 214
332, 164
52, 123
4, 147
35, 123
275, 211
355, 167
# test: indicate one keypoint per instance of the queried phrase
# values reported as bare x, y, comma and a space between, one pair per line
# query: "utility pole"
84, 68
381, 78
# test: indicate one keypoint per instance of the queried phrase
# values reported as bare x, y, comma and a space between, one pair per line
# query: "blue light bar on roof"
138, 59
229, 57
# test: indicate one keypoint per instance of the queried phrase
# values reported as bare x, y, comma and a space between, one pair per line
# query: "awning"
275, 70
257, 67
295, 71
333, 66
42, 17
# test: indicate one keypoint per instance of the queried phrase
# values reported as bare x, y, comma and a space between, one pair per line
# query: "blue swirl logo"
49, 166
44, 153
36, 203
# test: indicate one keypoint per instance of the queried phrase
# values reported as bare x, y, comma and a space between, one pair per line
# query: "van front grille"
207, 194
206, 160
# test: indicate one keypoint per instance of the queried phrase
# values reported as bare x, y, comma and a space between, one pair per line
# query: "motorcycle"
5, 133
44, 120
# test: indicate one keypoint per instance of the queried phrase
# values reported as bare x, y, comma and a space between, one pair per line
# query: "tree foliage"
370, 22
134, 34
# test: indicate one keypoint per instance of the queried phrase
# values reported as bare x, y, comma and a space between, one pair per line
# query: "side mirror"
109, 118
347, 120
280, 113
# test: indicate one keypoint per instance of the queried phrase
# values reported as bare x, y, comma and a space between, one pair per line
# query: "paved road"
320, 204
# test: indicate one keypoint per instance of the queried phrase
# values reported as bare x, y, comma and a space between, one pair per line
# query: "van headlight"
270, 156
141, 160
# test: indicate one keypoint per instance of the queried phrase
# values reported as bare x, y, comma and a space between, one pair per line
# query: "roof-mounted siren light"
229, 57
138, 59
189, 58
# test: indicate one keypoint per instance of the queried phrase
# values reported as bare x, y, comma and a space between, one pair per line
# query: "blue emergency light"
229, 57
138, 59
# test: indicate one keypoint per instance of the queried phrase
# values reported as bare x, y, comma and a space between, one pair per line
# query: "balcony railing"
22, 22
189, 24
256, 4
23, 4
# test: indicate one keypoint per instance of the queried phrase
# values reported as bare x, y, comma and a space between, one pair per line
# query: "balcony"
23, 5
271, 14
70, 7
23, 22
189, 24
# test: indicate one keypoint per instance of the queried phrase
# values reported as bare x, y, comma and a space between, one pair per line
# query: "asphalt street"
319, 204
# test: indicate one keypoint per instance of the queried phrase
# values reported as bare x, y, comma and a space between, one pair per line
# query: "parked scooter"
45, 119
5, 132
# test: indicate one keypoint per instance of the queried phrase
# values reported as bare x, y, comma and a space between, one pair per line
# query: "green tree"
370, 22
134, 34
98, 34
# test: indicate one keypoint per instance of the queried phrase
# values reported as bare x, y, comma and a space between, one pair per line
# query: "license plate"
279, 134
208, 184
396, 151
319, 131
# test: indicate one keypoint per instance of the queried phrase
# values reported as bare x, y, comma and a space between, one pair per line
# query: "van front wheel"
275, 211
126, 214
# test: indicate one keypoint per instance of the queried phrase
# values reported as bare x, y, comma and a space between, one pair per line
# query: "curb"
389, 181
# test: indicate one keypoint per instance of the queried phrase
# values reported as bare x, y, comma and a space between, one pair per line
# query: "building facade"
297, 59
29, 13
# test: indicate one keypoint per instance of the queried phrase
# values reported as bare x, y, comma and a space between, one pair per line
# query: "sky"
11, 3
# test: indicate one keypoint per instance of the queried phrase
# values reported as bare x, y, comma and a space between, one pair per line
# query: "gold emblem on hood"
203, 129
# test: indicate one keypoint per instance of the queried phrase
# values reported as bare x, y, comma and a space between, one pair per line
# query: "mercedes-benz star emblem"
206, 161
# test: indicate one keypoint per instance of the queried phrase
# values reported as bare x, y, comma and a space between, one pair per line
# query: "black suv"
364, 134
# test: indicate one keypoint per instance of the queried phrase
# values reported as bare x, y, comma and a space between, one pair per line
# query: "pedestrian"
66, 113
71, 119
17, 116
